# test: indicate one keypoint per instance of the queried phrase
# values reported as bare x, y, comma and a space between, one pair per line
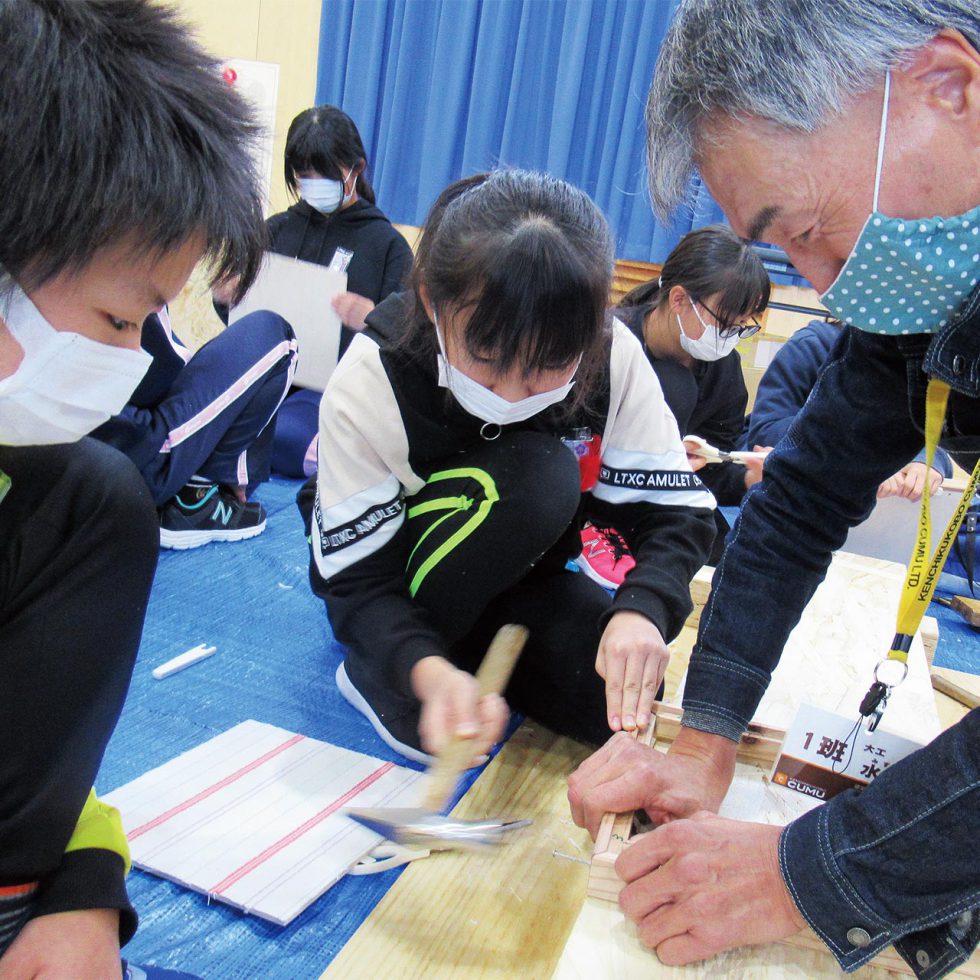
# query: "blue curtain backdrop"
441, 89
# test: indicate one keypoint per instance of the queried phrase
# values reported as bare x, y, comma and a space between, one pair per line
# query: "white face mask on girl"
324, 194
710, 346
66, 385
487, 405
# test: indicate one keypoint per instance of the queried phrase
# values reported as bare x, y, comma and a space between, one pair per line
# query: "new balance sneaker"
204, 512
605, 556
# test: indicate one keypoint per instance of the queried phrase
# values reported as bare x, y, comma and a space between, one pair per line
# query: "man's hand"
700, 886
632, 659
451, 705
81, 945
625, 775
352, 309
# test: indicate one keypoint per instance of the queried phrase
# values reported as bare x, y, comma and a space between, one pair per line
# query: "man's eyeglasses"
747, 329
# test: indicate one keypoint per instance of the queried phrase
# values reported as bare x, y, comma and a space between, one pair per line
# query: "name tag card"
823, 753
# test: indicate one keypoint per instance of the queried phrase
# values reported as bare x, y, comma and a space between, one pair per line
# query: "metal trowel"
424, 826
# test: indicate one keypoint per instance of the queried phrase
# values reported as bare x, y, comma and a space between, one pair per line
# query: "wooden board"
829, 658
928, 630
961, 687
460, 916
503, 914
844, 626
604, 945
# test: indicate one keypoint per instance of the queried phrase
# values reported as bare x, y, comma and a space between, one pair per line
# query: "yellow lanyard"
923, 573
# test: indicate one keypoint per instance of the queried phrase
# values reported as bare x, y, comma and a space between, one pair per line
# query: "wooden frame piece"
615, 830
759, 745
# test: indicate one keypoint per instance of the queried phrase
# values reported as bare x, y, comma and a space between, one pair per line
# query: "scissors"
711, 454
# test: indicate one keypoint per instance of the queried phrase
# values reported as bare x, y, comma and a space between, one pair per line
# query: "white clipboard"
301, 293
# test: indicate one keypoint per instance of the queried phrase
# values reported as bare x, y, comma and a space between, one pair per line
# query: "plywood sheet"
830, 656
604, 944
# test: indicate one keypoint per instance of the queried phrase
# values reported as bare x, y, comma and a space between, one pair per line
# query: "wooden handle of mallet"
492, 677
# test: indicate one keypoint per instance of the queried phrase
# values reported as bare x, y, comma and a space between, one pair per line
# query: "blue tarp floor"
275, 663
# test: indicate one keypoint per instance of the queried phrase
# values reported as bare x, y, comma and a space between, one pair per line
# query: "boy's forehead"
154, 276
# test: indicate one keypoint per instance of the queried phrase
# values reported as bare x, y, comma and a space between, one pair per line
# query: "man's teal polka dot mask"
903, 276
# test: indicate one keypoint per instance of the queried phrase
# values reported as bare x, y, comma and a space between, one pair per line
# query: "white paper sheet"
252, 818
300, 292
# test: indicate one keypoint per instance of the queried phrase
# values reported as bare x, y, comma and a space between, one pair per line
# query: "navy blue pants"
218, 418
293, 452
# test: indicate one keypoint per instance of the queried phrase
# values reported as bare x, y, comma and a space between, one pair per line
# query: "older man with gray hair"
848, 134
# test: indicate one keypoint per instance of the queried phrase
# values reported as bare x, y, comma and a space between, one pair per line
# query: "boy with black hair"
124, 161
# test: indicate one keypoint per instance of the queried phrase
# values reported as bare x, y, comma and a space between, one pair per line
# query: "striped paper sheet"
251, 817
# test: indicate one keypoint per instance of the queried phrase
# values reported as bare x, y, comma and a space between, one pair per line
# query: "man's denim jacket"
898, 862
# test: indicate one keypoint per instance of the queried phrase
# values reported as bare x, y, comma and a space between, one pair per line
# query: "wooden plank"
605, 945
839, 634
760, 744
510, 915
502, 914
701, 589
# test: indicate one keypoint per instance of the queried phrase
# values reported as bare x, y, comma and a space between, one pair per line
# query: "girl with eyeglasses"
711, 289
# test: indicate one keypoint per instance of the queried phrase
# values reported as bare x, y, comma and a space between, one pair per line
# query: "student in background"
103, 214
335, 223
199, 428
446, 503
689, 320
787, 384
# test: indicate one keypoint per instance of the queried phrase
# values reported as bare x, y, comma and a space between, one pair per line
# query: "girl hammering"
464, 438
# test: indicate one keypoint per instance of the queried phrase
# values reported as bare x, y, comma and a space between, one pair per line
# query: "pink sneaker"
605, 556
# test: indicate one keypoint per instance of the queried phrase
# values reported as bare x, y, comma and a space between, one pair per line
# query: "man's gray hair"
792, 62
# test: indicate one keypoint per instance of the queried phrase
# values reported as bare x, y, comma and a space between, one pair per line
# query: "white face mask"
324, 194
710, 346
66, 385
487, 405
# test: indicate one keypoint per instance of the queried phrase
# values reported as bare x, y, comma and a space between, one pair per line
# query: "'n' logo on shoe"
222, 512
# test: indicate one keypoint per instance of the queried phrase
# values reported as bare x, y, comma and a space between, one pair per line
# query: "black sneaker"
204, 512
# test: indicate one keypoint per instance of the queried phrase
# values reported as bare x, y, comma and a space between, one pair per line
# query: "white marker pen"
201, 652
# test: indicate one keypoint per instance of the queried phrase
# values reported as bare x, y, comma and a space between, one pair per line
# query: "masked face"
711, 345
324, 194
66, 384
906, 276
483, 403
69, 352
